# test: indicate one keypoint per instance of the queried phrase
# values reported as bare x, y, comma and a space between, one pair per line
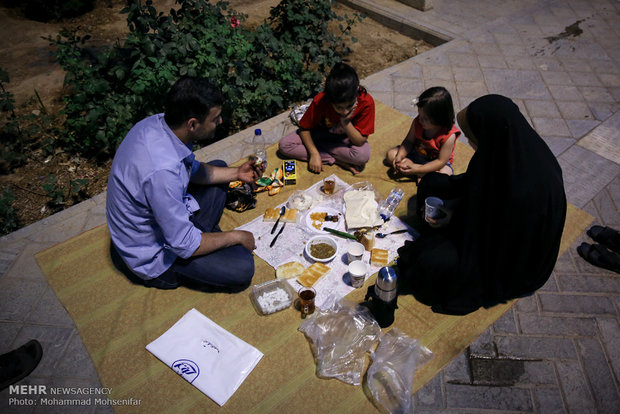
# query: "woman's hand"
315, 163
445, 215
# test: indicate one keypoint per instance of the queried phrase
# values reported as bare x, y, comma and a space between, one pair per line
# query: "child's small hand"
406, 167
315, 163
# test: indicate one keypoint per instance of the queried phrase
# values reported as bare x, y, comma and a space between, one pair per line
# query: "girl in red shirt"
429, 144
336, 125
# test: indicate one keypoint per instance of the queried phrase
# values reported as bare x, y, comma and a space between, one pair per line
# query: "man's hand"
246, 239
250, 172
315, 163
445, 215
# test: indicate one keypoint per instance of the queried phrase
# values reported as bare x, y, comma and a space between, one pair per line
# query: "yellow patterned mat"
117, 319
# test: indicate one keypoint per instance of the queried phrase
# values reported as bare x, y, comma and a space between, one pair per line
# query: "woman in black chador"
503, 218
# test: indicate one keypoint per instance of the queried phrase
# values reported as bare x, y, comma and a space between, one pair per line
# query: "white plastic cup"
357, 273
431, 209
355, 251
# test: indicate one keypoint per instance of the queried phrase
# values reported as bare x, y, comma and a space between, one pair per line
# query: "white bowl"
322, 239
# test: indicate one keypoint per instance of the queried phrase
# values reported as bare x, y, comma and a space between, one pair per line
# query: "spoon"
382, 235
282, 210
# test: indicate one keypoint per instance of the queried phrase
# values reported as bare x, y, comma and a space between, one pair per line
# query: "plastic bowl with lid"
318, 240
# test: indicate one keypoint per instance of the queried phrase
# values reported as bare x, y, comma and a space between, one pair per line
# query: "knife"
276, 238
340, 233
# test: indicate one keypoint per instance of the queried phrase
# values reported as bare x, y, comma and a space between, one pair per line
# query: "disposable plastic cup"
355, 251
431, 209
357, 273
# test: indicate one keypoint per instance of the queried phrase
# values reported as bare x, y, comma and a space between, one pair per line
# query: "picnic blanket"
117, 319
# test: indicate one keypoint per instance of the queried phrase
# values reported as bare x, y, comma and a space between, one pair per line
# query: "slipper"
19, 363
606, 236
599, 256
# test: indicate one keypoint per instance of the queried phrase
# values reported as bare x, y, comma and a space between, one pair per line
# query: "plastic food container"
272, 296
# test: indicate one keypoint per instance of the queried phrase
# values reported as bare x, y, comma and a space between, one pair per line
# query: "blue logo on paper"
187, 369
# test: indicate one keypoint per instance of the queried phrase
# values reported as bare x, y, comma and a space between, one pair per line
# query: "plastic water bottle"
387, 207
260, 147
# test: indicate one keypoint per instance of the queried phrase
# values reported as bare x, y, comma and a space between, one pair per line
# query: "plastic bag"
341, 337
390, 376
298, 112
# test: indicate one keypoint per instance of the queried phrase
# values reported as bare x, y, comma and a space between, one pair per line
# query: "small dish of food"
320, 216
322, 248
300, 200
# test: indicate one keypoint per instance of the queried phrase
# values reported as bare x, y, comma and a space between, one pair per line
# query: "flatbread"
290, 216
361, 209
290, 269
312, 274
379, 257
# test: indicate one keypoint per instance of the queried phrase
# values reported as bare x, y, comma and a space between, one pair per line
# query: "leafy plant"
11, 143
261, 72
59, 194
8, 215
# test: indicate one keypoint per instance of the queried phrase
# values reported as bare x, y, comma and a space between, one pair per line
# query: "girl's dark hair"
191, 97
342, 84
437, 104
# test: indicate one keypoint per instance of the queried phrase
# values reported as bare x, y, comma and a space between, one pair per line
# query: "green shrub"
8, 215
11, 143
261, 72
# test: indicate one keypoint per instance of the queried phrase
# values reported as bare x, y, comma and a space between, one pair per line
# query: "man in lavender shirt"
163, 206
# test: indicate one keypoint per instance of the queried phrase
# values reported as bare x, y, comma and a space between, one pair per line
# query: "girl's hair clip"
415, 101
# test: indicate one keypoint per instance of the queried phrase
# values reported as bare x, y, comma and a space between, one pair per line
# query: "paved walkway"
557, 351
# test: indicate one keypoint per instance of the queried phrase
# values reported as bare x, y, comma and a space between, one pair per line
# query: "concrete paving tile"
409, 85
450, 85
378, 83
61, 231
8, 333
504, 372
613, 189
548, 400
49, 311
606, 205
610, 338
605, 139
527, 304
492, 61
539, 347
550, 285
53, 339
503, 39
575, 110
402, 101
542, 109
553, 325
564, 265
576, 392
599, 375
556, 78
64, 383
457, 370
9, 254
515, 51
472, 89
575, 303
548, 63
551, 127
484, 346
585, 79
26, 267
480, 397
519, 62
580, 127
385, 97
596, 94
521, 84
430, 395
462, 60
565, 93
467, 74
75, 361
591, 283
437, 72
18, 296
506, 323
585, 174
19, 405
558, 145
485, 49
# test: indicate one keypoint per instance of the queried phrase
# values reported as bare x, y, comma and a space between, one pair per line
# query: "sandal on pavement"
606, 236
17, 364
599, 256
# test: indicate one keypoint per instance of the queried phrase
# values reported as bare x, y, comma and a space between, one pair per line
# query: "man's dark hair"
191, 97
342, 84
437, 104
